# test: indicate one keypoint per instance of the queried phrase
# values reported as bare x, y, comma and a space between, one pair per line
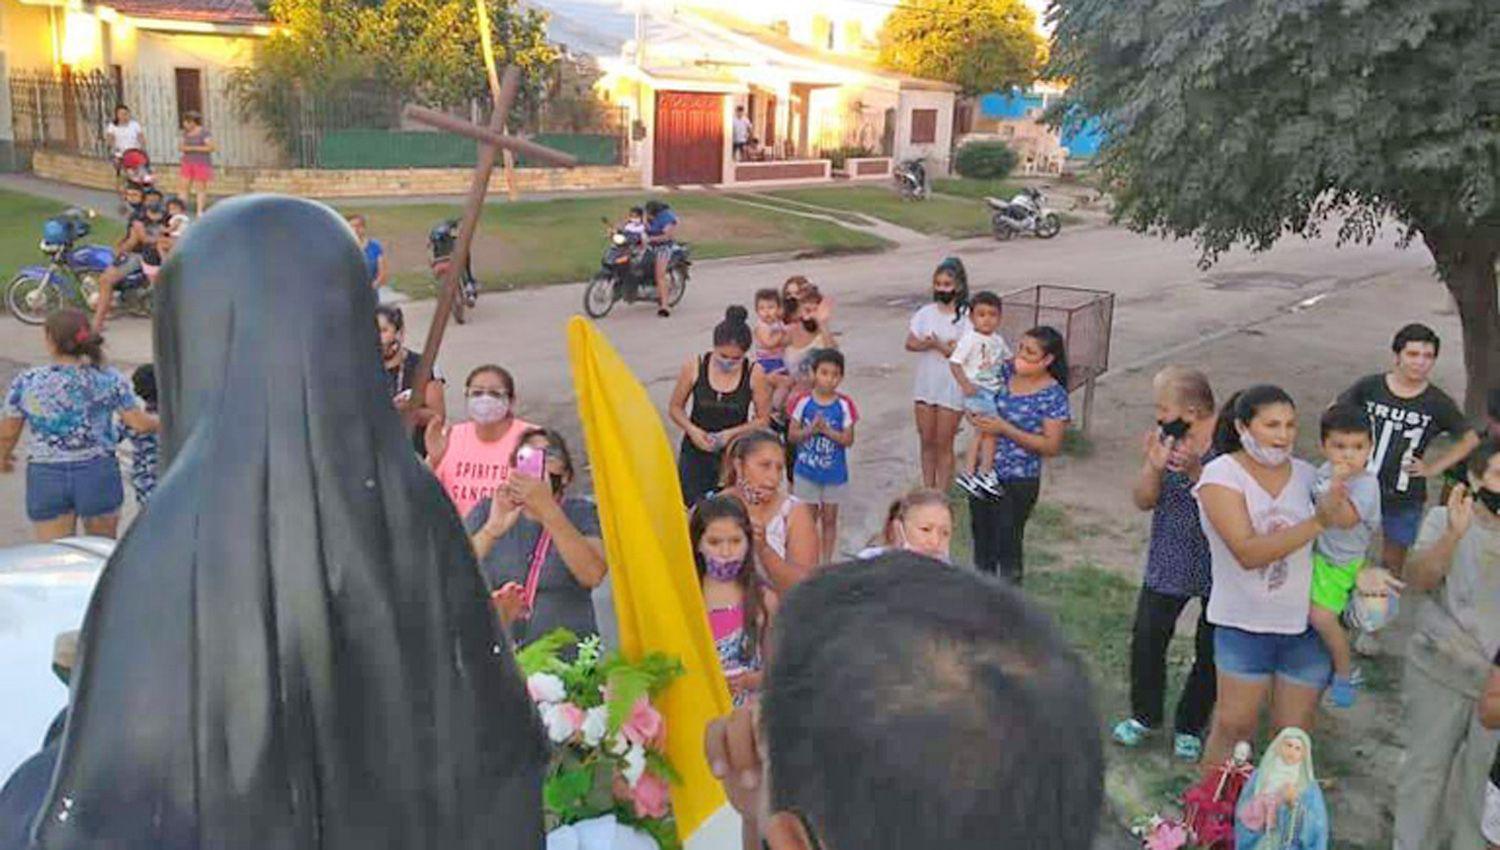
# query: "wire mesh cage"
1084, 317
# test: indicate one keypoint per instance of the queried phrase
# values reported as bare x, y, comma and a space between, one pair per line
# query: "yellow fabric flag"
657, 597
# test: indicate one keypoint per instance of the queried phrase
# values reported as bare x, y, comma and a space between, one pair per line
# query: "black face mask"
1490, 499
1176, 429
945, 297
810, 325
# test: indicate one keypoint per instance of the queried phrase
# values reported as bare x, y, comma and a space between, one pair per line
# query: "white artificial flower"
560, 725
595, 725
619, 744
635, 765
545, 687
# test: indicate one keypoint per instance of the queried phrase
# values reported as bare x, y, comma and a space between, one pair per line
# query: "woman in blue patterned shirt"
1178, 564
70, 406
1033, 415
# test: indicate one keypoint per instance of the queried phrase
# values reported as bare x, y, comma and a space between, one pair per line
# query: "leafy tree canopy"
980, 45
425, 50
1239, 121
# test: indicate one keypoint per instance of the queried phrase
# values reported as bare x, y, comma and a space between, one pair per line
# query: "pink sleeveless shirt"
471, 469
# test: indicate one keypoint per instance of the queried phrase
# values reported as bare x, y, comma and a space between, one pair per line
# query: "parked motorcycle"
440, 243
911, 180
628, 273
72, 276
1027, 212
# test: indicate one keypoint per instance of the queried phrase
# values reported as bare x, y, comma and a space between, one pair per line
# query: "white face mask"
1263, 455
487, 410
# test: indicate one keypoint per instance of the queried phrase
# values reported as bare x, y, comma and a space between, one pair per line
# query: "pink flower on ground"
645, 725
1167, 836
651, 796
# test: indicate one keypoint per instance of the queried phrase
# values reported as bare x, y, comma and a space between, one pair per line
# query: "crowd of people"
1276, 550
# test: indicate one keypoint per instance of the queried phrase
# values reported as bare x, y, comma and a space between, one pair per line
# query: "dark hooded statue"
292, 647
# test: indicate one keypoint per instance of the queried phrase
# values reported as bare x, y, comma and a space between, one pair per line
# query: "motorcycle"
440, 243
1027, 212
72, 275
911, 180
627, 273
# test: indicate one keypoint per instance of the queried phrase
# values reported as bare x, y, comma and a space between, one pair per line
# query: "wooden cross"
491, 139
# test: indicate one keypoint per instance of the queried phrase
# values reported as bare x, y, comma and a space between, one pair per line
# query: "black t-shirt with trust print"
1402, 430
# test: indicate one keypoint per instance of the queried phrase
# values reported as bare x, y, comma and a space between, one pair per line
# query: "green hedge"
398, 149
985, 160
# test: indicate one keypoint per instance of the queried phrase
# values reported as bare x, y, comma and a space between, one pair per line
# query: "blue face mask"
726, 364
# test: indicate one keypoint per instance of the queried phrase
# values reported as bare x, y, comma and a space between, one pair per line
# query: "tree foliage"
1239, 121
980, 45
424, 51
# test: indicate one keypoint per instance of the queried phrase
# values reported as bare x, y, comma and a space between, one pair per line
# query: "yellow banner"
657, 597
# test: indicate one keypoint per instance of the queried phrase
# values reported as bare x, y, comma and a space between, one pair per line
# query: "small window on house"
924, 126
189, 91
117, 76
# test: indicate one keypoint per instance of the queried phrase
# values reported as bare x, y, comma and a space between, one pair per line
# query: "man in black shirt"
1407, 412
400, 364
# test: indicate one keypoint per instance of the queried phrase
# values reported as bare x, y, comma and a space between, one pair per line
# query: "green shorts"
1333, 584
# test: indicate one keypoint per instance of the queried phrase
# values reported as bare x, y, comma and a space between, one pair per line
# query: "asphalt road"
1163, 304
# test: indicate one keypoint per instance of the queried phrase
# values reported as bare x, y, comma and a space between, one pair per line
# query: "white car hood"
44, 591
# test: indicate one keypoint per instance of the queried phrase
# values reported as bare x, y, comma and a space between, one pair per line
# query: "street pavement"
1164, 305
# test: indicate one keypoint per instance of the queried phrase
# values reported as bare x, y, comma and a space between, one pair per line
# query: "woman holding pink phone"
539, 549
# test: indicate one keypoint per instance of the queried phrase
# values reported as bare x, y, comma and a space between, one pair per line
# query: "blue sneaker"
1132, 733
1341, 693
1187, 747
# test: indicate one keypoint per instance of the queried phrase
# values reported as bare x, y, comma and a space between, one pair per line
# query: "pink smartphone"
531, 463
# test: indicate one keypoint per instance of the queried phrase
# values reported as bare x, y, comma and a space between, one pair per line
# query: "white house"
807, 84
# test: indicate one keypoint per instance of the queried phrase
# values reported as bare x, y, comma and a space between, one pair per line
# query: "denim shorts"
814, 493
1255, 656
84, 488
982, 403
1401, 522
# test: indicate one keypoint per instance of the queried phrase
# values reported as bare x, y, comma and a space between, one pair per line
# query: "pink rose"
651, 796
645, 725
1168, 835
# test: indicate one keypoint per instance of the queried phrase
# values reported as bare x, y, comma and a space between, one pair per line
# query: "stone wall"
813, 170
353, 183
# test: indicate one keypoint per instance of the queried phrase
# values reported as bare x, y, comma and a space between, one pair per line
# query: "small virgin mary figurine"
1281, 807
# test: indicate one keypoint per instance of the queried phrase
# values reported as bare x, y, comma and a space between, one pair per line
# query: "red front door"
689, 144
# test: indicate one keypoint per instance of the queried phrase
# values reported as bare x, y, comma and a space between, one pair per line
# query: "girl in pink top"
471, 459
721, 534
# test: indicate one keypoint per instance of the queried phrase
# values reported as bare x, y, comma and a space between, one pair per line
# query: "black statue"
292, 647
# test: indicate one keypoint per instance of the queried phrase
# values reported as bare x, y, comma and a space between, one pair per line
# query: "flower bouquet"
608, 739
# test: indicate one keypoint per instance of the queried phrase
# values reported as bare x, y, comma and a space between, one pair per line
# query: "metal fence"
1084, 317
65, 112
359, 126
363, 128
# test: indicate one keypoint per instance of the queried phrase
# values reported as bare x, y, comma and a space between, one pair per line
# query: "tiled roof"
206, 11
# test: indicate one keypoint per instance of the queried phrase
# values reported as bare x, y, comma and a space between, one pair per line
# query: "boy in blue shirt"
822, 428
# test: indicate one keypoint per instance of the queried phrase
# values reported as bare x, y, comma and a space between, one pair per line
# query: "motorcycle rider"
661, 230
141, 233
